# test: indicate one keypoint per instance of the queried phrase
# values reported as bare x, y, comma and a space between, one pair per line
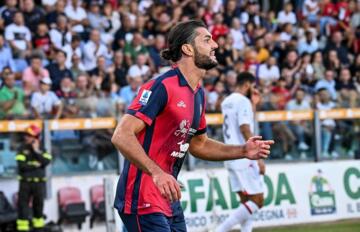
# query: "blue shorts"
155, 222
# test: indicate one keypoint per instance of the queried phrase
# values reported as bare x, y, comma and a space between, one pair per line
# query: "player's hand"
255, 148
168, 186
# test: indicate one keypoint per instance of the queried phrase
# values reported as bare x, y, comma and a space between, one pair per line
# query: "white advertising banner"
295, 193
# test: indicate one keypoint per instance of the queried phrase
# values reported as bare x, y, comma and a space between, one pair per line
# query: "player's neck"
191, 73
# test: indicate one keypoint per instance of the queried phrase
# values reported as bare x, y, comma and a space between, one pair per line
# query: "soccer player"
164, 121
245, 175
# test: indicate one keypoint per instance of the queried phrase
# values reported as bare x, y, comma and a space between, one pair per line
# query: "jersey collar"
182, 80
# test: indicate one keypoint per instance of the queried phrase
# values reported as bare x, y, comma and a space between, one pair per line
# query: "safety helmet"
33, 130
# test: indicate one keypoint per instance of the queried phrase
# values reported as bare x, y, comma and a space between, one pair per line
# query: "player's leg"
145, 223
258, 199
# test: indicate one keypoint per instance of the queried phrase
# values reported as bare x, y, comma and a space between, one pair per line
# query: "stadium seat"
71, 206
97, 203
8, 214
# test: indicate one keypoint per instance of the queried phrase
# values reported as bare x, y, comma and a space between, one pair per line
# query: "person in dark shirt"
120, 69
125, 29
7, 12
33, 15
154, 52
41, 39
58, 70
51, 17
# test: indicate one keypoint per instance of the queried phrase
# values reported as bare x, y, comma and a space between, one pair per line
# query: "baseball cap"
46, 81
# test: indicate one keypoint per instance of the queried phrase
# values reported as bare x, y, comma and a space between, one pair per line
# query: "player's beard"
203, 61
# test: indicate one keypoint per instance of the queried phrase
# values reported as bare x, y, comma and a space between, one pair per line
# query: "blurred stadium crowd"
67, 59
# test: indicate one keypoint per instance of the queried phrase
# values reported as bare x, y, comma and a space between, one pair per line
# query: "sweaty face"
204, 50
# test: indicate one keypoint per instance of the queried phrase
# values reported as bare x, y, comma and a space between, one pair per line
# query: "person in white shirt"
93, 49
237, 34
77, 16
44, 103
287, 15
327, 125
60, 36
269, 72
310, 10
71, 49
140, 67
299, 128
245, 175
19, 36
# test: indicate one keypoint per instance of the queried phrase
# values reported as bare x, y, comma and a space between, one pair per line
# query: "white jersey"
237, 110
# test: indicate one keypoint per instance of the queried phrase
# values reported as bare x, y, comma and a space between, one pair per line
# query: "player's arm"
201, 146
125, 140
246, 132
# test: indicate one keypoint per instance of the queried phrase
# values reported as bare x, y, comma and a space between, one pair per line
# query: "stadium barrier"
292, 195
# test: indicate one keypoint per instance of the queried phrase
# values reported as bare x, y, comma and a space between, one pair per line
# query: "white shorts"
246, 180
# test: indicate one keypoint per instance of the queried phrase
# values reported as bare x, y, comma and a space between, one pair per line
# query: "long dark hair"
182, 33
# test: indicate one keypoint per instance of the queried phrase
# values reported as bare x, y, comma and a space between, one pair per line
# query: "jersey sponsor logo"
321, 196
183, 147
145, 95
181, 104
184, 127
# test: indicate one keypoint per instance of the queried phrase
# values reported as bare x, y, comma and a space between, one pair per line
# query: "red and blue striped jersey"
173, 113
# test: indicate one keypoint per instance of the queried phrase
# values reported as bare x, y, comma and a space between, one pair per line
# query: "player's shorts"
247, 180
155, 222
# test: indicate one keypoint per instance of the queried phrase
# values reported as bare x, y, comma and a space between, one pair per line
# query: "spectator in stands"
11, 98
32, 75
328, 17
8, 11
219, 28
140, 67
310, 10
113, 19
355, 18
77, 16
19, 36
318, 65
71, 49
58, 70
336, 44
346, 89
93, 49
309, 45
154, 52
230, 81
287, 15
44, 103
102, 73
85, 100
6, 56
231, 11
33, 14
41, 40
52, 16
299, 128
327, 125
60, 34
215, 97
129, 92
237, 34
332, 61
120, 71
268, 72
67, 95
125, 30
133, 48
328, 82
77, 65
262, 52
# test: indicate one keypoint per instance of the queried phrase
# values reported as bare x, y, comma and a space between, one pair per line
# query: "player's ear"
187, 49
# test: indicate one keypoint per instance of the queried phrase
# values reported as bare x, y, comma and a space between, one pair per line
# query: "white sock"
240, 216
247, 225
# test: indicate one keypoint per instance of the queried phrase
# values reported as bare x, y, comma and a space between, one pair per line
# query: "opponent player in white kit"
246, 176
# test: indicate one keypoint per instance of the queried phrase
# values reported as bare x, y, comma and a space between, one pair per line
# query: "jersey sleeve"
149, 102
202, 125
244, 113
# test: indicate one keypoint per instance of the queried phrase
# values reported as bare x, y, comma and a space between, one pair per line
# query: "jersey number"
226, 127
